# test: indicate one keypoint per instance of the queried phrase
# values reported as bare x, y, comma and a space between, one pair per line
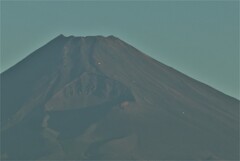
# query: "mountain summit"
99, 98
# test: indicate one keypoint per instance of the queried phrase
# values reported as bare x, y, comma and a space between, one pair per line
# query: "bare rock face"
92, 98
89, 90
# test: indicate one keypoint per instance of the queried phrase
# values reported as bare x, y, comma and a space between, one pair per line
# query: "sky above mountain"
199, 39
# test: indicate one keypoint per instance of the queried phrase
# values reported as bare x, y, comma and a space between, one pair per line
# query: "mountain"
98, 98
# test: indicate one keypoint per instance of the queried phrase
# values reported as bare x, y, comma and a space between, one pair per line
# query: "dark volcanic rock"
99, 98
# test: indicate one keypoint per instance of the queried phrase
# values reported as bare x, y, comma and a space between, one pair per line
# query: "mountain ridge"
62, 36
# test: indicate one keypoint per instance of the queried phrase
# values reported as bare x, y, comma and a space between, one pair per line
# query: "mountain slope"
99, 98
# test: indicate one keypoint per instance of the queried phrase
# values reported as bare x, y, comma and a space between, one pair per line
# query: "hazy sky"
200, 39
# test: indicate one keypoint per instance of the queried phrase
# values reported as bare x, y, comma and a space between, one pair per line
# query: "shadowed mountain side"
99, 98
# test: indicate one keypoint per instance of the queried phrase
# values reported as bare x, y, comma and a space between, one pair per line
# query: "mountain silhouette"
99, 98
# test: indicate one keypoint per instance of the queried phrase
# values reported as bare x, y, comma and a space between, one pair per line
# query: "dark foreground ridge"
98, 98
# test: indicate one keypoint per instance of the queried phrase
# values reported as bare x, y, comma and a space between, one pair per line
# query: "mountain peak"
83, 37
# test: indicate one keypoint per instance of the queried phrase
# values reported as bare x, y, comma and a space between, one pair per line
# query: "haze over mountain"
98, 98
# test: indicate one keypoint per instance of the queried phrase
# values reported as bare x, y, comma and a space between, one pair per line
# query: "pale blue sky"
198, 38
